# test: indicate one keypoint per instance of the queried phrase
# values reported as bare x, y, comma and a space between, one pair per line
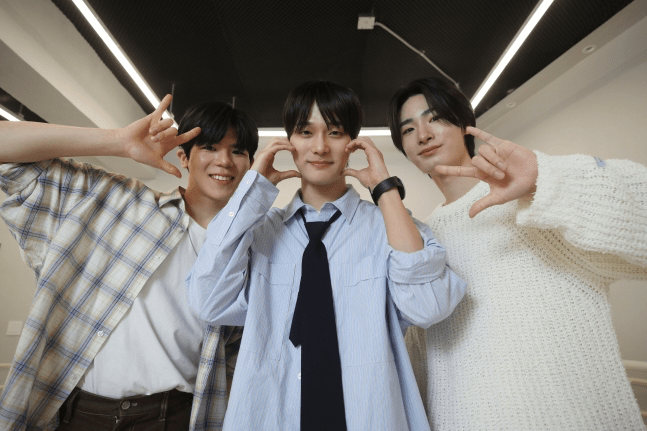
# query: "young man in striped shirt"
386, 272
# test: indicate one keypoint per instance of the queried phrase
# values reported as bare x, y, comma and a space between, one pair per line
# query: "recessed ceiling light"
589, 49
511, 105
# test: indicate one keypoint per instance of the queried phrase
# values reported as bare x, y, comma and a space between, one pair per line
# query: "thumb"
288, 174
350, 173
484, 203
170, 168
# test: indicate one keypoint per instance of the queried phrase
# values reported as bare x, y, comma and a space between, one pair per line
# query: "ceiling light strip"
8, 115
375, 132
363, 132
125, 62
511, 50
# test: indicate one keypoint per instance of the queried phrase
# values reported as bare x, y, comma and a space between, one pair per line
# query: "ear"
184, 160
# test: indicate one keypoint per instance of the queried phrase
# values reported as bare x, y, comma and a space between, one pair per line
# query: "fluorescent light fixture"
119, 54
273, 133
512, 49
375, 132
363, 132
8, 115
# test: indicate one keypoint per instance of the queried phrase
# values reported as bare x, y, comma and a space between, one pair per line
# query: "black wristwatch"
387, 185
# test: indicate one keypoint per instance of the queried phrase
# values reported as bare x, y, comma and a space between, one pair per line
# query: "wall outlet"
14, 327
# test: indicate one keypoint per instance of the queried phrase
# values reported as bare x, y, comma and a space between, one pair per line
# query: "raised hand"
509, 169
264, 161
149, 139
376, 171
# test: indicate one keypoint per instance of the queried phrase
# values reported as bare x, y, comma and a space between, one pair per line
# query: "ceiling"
254, 53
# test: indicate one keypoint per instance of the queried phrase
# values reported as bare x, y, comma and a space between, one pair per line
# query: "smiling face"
320, 152
215, 170
428, 141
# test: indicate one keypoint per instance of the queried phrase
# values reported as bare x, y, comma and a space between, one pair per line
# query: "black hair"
443, 98
215, 119
339, 107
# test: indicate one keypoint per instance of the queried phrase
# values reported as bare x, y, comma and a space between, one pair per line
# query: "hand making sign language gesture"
264, 162
509, 169
149, 139
376, 171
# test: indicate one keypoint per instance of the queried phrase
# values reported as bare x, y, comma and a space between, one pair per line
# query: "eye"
305, 132
240, 152
434, 118
336, 133
209, 147
407, 130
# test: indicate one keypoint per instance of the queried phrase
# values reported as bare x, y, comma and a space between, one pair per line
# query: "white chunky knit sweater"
532, 346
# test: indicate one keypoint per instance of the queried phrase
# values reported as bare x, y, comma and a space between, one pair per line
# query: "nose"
425, 134
223, 158
320, 145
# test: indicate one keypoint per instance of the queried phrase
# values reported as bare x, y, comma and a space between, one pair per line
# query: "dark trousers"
166, 411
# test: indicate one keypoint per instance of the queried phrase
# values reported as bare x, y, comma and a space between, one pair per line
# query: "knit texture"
532, 345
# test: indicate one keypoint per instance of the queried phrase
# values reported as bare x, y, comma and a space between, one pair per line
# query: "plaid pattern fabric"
92, 239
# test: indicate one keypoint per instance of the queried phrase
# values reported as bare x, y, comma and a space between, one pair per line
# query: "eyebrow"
410, 120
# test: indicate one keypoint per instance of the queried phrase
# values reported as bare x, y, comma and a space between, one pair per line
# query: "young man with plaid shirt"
110, 338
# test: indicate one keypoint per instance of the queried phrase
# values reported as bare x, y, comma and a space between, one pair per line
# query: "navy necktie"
313, 328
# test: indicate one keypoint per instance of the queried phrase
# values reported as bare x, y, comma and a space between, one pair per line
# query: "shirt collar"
171, 196
347, 204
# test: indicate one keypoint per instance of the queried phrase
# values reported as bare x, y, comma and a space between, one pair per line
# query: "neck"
453, 187
317, 196
200, 209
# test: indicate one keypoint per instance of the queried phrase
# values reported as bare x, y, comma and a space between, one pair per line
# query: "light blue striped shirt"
248, 273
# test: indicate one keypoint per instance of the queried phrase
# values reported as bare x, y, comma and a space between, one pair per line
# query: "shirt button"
249, 182
101, 333
231, 214
299, 376
125, 405
129, 295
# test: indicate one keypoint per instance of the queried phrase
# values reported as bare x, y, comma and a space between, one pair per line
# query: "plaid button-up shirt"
93, 239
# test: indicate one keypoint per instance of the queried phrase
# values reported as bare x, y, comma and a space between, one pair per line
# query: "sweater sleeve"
598, 206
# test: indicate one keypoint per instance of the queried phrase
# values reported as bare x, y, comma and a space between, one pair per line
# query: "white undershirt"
156, 346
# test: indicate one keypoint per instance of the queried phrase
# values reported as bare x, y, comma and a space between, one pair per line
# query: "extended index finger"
484, 136
457, 171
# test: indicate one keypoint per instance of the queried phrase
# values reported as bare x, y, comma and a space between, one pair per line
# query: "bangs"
215, 119
339, 107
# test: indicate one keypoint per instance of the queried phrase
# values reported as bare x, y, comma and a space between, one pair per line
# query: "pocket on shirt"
361, 316
269, 303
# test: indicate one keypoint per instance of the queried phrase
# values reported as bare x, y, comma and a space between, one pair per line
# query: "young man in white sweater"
532, 346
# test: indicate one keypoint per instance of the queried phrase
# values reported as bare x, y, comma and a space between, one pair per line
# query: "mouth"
429, 151
221, 177
320, 163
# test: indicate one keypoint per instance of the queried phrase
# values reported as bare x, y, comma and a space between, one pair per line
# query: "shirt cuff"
259, 194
